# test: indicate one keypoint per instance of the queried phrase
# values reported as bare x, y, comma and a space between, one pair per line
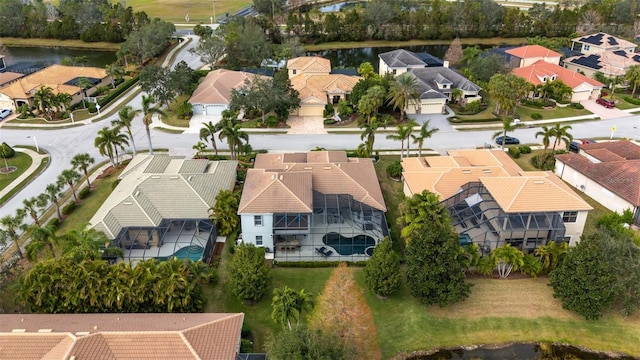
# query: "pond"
49, 56
352, 58
339, 6
520, 352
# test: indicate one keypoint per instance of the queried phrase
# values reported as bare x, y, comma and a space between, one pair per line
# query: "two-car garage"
208, 109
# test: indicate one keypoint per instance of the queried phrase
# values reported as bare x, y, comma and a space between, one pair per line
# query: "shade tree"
382, 272
248, 273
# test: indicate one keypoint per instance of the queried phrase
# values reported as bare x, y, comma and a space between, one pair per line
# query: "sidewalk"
36, 161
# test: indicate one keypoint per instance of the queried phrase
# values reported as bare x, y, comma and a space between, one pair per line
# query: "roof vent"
466, 171
281, 177
286, 167
486, 171
189, 178
338, 164
327, 167
155, 176
127, 203
83, 333
273, 176
174, 177
18, 330
45, 330
539, 182
137, 193
308, 168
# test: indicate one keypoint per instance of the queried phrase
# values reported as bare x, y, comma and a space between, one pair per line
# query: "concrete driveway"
195, 124
602, 111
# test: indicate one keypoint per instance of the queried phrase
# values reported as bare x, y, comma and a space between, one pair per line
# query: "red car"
606, 103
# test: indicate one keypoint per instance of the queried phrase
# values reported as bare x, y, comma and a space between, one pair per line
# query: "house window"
569, 216
394, 71
257, 220
586, 47
294, 71
544, 79
258, 240
567, 239
553, 78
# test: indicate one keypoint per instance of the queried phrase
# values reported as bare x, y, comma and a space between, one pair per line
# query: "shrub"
248, 273
246, 346
92, 108
544, 161
382, 272
7, 151
318, 264
328, 110
536, 116
524, 149
272, 121
54, 222
184, 110
115, 183
514, 152
329, 121
68, 209
84, 193
344, 109
114, 94
394, 169
631, 100
473, 108
576, 106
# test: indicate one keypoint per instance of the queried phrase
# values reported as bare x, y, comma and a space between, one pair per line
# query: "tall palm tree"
33, 205
11, 225
84, 84
402, 92
369, 135
408, 134
115, 71
547, 134
41, 237
561, 134
226, 211
42, 100
632, 76
82, 162
507, 127
70, 177
424, 133
148, 109
108, 141
53, 192
403, 132
283, 306
208, 131
125, 120
234, 136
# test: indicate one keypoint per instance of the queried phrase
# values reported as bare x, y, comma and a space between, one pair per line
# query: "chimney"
445, 63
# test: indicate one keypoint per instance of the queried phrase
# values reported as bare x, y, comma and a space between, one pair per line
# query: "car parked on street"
4, 113
508, 140
606, 103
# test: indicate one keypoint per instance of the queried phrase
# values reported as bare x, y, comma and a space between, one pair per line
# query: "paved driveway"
602, 111
195, 124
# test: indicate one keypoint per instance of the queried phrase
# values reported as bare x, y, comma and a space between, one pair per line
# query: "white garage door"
197, 109
431, 108
311, 110
214, 109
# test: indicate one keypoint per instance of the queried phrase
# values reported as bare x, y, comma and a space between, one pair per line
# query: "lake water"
50, 56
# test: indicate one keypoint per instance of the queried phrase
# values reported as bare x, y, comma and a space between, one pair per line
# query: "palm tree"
11, 225
547, 134
69, 177
288, 304
208, 131
369, 136
424, 133
234, 135
148, 110
304, 304
62, 101
507, 126
108, 141
53, 192
402, 92
84, 84
33, 205
508, 259
226, 211
41, 237
403, 133
199, 147
115, 71
42, 100
633, 77
552, 254
82, 162
83, 244
125, 120
561, 134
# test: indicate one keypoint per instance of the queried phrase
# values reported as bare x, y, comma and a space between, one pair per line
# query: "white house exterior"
608, 172
399, 61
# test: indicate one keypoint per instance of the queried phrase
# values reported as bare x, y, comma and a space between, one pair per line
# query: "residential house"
603, 53
493, 202
435, 80
313, 206
530, 54
318, 87
162, 205
540, 72
213, 95
120, 336
60, 78
609, 172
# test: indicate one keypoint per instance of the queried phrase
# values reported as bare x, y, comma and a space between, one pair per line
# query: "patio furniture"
322, 251
328, 253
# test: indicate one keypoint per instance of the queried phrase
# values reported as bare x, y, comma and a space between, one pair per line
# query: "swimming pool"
349, 246
192, 252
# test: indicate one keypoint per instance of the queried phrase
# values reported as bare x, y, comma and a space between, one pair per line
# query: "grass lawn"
43, 165
198, 10
21, 160
556, 113
393, 196
621, 103
68, 44
172, 118
497, 312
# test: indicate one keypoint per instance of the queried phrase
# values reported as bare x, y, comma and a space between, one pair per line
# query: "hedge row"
456, 120
631, 100
124, 87
318, 264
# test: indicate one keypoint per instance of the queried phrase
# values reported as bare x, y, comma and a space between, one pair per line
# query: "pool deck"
171, 244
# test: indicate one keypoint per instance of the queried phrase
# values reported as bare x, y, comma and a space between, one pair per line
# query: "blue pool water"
465, 239
193, 252
349, 246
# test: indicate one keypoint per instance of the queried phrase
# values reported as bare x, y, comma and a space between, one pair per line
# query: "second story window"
257, 220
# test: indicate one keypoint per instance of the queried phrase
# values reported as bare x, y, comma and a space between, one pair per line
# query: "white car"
4, 113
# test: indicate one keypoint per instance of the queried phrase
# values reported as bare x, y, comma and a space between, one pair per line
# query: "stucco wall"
250, 231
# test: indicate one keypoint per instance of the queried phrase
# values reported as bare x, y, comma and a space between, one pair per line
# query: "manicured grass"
556, 113
497, 312
40, 169
68, 44
621, 103
382, 43
176, 10
393, 196
21, 160
172, 118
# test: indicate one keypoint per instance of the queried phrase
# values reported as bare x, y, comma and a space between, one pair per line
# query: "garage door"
311, 110
197, 109
214, 109
431, 108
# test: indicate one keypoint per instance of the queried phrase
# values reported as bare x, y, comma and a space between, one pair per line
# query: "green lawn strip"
393, 196
67, 44
37, 121
382, 43
171, 118
198, 10
43, 165
21, 160
556, 113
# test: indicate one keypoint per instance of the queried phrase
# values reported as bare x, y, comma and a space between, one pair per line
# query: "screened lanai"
479, 219
339, 229
182, 238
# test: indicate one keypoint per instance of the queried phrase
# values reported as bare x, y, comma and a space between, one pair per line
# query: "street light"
98, 107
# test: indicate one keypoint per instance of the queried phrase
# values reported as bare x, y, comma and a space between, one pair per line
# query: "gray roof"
401, 58
428, 78
153, 188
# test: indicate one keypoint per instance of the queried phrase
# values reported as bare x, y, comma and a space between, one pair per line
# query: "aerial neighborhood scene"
293, 179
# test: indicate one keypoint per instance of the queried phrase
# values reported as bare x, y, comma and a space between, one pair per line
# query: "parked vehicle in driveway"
574, 146
606, 103
4, 113
508, 140
588, 141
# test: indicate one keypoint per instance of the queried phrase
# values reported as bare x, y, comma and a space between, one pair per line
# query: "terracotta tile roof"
618, 171
55, 77
314, 88
310, 64
533, 193
216, 87
328, 172
532, 51
121, 336
6, 77
536, 72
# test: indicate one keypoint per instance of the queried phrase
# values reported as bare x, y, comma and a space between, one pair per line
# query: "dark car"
508, 140
606, 103
574, 146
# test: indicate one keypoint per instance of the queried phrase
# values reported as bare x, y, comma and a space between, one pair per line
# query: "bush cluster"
68, 209
514, 152
631, 100
84, 193
536, 116
524, 149
544, 161
114, 94
7, 151
576, 106
318, 264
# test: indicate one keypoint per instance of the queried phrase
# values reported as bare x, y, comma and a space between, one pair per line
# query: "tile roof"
156, 187
535, 72
55, 77
313, 88
402, 58
514, 190
7, 76
310, 64
606, 41
428, 79
216, 87
532, 51
608, 62
618, 170
285, 182
121, 336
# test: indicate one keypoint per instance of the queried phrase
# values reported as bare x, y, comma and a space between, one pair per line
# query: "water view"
49, 56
